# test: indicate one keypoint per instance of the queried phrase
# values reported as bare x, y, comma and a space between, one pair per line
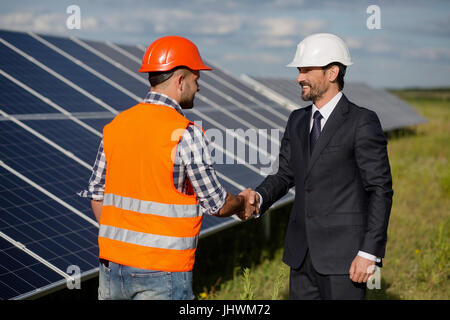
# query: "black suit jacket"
343, 190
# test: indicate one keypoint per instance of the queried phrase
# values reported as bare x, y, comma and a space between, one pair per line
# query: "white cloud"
311, 26
285, 32
379, 47
54, 23
283, 3
38, 22
165, 21
253, 57
161, 21
369, 44
279, 27
427, 53
274, 42
217, 24
286, 26
404, 50
353, 42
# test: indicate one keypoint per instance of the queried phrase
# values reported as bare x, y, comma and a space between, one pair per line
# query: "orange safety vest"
145, 221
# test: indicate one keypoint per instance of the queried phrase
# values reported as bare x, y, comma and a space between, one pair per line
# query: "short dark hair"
156, 78
341, 74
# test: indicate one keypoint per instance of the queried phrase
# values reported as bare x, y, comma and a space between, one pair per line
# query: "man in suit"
335, 155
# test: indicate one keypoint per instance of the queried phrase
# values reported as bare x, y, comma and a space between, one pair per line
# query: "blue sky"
259, 37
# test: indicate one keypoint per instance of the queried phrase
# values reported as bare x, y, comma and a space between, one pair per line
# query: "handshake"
251, 202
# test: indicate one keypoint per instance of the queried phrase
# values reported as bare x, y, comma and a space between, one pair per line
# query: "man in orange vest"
152, 182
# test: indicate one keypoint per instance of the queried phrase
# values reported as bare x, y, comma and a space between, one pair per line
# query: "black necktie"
315, 132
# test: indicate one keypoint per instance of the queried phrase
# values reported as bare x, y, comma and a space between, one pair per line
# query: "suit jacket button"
308, 190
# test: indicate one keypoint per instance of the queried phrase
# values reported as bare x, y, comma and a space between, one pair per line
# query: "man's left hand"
361, 269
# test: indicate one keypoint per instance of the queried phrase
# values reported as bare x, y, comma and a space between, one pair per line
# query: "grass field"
416, 265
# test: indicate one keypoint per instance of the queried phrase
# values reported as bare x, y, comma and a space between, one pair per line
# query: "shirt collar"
162, 99
328, 108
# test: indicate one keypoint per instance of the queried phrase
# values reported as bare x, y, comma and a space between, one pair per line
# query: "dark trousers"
305, 283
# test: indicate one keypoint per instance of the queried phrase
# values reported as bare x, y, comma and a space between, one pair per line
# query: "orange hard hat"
169, 52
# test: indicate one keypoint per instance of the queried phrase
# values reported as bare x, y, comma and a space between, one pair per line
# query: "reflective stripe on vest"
151, 207
147, 239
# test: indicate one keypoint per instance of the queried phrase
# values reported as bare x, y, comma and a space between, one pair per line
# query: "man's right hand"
244, 205
252, 202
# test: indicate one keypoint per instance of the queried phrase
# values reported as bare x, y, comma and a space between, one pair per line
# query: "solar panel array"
394, 113
56, 95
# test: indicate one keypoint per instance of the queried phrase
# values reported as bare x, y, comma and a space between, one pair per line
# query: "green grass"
416, 265
417, 257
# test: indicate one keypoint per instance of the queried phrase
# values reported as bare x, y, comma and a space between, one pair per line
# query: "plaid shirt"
192, 161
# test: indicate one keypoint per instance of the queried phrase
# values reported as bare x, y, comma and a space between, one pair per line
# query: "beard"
187, 99
314, 93
187, 103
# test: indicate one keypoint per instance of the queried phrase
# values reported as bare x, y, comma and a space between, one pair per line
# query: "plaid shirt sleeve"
96, 186
193, 151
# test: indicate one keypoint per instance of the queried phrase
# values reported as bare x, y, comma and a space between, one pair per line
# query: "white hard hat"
320, 49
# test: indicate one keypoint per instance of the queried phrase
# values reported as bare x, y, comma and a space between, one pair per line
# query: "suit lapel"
333, 123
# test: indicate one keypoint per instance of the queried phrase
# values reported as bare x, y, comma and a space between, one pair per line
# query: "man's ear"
333, 72
179, 77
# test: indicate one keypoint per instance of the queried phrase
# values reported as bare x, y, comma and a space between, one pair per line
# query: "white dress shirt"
326, 111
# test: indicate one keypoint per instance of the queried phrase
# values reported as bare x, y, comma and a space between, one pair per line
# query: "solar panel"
68, 135
21, 274
65, 68
394, 113
44, 236
14, 101
57, 95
